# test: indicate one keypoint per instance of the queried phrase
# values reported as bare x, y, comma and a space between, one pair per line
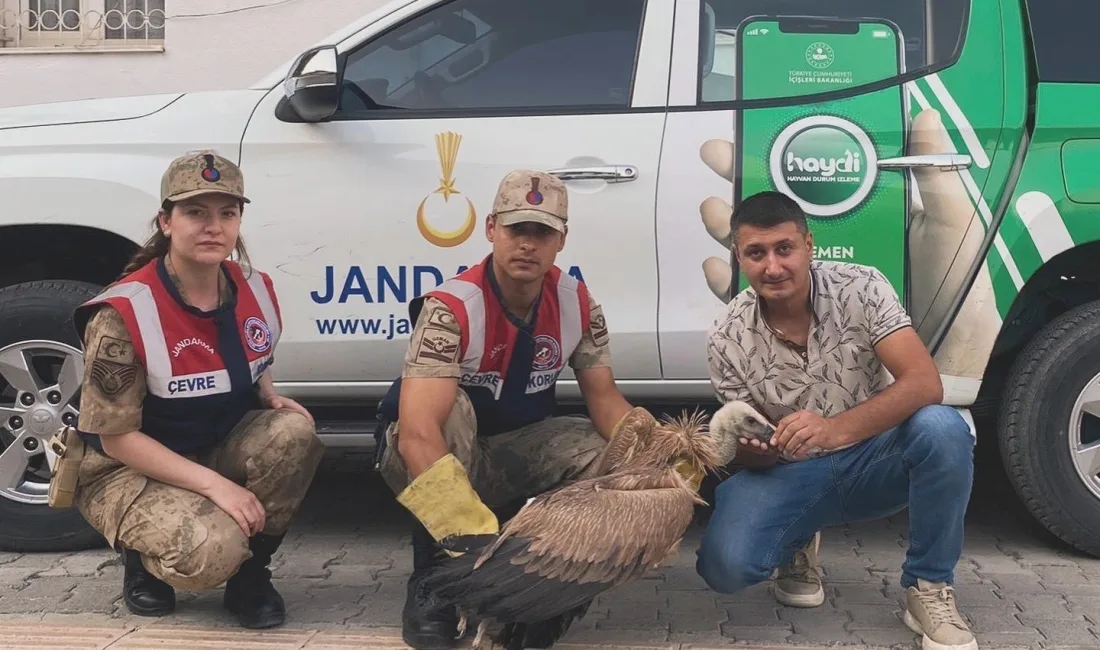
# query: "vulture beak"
736, 420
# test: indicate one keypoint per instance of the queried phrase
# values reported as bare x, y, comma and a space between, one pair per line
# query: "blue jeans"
761, 518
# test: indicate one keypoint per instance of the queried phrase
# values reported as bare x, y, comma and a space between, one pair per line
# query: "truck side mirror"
312, 86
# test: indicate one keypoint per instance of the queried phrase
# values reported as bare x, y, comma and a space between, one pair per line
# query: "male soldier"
473, 414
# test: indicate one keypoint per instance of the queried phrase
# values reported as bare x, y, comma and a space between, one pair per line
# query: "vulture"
608, 528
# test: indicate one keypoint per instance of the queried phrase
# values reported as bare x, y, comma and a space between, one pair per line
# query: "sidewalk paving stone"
343, 567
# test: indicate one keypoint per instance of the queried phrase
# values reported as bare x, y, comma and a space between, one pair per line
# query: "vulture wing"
566, 547
635, 433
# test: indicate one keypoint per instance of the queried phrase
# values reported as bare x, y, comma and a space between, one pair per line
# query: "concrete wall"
212, 52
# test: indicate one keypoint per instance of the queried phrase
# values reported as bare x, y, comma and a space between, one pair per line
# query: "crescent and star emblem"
447, 145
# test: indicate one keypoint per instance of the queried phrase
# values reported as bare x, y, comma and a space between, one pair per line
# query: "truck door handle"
609, 173
944, 161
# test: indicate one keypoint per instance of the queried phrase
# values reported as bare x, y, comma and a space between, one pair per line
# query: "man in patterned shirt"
828, 353
474, 427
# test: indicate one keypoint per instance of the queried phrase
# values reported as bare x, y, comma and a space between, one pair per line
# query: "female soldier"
178, 411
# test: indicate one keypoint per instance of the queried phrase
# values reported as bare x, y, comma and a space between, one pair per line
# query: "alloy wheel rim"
1083, 437
39, 386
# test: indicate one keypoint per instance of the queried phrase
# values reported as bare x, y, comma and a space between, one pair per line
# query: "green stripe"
1042, 171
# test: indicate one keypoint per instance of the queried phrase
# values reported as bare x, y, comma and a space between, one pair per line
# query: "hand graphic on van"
945, 233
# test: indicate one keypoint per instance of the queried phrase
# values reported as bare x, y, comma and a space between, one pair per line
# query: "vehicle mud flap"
68, 446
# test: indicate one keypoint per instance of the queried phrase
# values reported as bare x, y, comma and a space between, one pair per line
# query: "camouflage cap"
526, 195
201, 173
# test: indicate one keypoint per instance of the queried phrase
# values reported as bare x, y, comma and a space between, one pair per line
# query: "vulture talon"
481, 627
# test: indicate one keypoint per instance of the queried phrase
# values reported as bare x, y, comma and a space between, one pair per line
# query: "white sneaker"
799, 584
930, 611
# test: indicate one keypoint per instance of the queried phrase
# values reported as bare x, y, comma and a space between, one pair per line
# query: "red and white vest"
201, 369
510, 374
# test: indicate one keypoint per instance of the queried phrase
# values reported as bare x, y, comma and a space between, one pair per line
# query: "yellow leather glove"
445, 502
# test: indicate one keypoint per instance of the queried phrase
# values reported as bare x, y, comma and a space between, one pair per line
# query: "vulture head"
734, 421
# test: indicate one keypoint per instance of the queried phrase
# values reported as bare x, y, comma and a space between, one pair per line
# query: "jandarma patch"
257, 334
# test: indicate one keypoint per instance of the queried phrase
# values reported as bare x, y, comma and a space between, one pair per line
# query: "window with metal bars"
47, 24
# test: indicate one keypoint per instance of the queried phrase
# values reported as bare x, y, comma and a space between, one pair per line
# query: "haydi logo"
824, 167
826, 163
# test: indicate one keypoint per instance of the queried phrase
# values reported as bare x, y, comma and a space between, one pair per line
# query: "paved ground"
344, 566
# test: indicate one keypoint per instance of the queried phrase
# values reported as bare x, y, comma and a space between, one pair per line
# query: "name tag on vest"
490, 380
199, 384
540, 381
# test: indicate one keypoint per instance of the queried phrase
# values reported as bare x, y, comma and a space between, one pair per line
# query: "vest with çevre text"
201, 367
509, 372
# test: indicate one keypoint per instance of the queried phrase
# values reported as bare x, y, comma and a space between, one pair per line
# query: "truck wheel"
1050, 427
41, 366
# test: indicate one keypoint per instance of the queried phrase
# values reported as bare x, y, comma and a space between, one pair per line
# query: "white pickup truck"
372, 159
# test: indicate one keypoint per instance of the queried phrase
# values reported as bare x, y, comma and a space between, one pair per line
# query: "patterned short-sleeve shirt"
854, 308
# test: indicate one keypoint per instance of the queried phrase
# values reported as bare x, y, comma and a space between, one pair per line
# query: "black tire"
43, 310
1045, 381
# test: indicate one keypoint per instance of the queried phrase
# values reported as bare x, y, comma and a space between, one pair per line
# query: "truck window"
1059, 31
469, 55
932, 32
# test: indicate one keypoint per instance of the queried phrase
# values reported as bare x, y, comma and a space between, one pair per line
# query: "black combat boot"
435, 631
249, 594
418, 629
144, 593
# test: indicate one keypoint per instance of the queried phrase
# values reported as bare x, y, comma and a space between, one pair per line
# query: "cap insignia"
534, 197
210, 173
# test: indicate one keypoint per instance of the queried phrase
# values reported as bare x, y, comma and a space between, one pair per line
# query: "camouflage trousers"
184, 538
509, 466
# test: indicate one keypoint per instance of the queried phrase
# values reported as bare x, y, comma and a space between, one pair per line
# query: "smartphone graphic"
825, 154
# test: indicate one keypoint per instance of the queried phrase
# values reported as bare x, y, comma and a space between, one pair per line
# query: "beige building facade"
58, 50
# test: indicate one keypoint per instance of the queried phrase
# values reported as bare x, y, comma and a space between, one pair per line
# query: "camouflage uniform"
483, 478
531, 459
512, 465
183, 538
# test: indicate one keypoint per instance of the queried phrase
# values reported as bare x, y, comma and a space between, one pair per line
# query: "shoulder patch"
113, 379
442, 317
437, 345
114, 369
115, 350
598, 325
